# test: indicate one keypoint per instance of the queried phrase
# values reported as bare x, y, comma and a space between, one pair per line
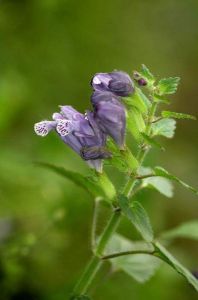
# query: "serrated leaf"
167, 85
164, 127
188, 230
138, 217
82, 181
145, 72
166, 256
176, 115
141, 267
151, 141
159, 171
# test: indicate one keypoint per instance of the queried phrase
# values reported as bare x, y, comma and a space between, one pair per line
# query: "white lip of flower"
41, 128
96, 80
63, 127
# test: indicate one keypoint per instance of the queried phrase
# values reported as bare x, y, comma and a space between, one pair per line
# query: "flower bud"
117, 82
140, 80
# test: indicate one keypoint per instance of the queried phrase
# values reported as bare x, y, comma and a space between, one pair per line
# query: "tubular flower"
110, 115
117, 82
80, 132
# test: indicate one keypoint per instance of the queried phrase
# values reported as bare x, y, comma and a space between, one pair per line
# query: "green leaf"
145, 72
87, 183
130, 159
141, 267
162, 185
151, 141
105, 183
159, 171
164, 127
123, 160
161, 99
136, 115
116, 159
176, 115
138, 100
144, 98
132, 127
135, 121
177, 266
188, 230
167, 86
138, 217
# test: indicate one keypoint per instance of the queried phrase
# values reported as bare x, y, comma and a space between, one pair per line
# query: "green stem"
129, 186
95, 262
114, 255
87, 277
94, 222
150, 119
107, 233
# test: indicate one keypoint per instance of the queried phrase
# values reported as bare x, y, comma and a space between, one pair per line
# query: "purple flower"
110, 115
117, 82
78, 131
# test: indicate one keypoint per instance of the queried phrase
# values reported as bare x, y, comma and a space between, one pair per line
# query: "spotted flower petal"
64, 127
44, 127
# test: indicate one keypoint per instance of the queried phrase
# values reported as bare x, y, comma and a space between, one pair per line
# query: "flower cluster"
86, 133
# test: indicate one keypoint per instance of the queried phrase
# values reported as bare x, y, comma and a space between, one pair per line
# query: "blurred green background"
49, 50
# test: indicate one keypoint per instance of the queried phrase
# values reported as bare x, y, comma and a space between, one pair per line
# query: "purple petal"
111, 117
70, 113
98, 96
117, 82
